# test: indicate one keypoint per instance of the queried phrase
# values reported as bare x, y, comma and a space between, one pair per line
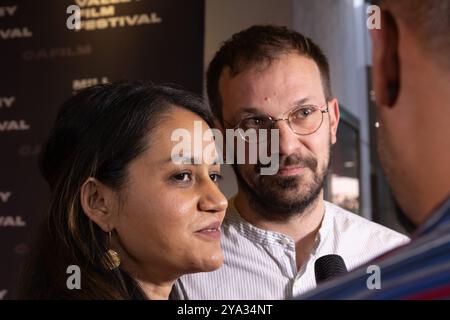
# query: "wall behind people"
43, 62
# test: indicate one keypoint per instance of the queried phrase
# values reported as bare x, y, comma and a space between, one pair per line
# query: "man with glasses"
269, 77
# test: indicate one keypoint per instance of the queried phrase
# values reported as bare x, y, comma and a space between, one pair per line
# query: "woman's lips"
211, 231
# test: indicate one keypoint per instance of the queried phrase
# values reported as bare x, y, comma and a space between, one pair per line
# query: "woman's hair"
97, 133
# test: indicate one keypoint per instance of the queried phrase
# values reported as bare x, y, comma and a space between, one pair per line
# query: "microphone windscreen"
329, 266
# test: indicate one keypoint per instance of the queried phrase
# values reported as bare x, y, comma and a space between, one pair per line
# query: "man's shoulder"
349, 221
358, 239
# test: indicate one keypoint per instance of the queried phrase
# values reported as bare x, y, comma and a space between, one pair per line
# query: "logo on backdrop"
7, 102
4, 196
14, 125
29, 150
89, 15
21, 249
12, 221
8, 11
12, 32
3, 294
78, 84
57, 52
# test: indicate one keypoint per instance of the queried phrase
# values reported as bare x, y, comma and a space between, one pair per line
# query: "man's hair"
261, 43
430, 21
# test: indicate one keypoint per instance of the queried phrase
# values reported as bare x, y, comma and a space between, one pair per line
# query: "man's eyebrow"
253, 110
301, 102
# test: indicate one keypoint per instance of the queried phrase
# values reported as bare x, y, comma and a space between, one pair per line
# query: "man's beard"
271, 196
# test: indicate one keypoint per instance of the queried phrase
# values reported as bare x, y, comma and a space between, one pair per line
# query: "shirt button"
284, 241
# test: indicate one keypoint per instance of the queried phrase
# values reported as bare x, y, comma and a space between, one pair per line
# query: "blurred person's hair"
261, 44
97, 133
430, 22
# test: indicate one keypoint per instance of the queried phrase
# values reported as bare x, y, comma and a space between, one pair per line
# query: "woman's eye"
255, 122
215, 177
183, 177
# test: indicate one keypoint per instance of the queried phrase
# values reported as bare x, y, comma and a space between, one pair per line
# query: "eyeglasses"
303, 120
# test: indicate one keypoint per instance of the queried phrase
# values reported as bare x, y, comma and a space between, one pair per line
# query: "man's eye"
183, 177
215, 177
303, 112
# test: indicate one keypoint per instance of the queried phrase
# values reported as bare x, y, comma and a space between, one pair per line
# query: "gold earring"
112, 256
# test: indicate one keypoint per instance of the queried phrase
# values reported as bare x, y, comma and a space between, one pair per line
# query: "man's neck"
433, 168
428, 184
302, 227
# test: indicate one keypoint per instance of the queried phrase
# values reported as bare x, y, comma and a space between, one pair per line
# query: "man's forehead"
287, 81
281, 71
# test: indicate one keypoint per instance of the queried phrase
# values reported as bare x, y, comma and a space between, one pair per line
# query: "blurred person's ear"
98, 203
386, 77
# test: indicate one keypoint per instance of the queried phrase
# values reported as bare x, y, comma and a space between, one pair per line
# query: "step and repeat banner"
46, 55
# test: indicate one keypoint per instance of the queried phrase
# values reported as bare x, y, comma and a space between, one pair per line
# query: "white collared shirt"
261, 264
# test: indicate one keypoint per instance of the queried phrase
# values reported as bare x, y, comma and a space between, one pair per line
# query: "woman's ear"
99, 203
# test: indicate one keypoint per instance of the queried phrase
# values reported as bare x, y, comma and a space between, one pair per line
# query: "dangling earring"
113, 256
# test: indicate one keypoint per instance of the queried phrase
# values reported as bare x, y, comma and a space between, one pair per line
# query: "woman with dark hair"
131, 219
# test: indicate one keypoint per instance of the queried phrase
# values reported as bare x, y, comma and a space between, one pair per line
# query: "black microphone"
329, 266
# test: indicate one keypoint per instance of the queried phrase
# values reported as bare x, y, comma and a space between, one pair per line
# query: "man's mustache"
291, 160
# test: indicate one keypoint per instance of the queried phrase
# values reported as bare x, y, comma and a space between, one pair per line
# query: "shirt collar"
266, 237
440, 217
253, 233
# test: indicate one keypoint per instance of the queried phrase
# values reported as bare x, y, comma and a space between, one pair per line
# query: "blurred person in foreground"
411, 76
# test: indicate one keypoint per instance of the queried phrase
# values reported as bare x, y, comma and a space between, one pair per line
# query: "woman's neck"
156, 282
156, 291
